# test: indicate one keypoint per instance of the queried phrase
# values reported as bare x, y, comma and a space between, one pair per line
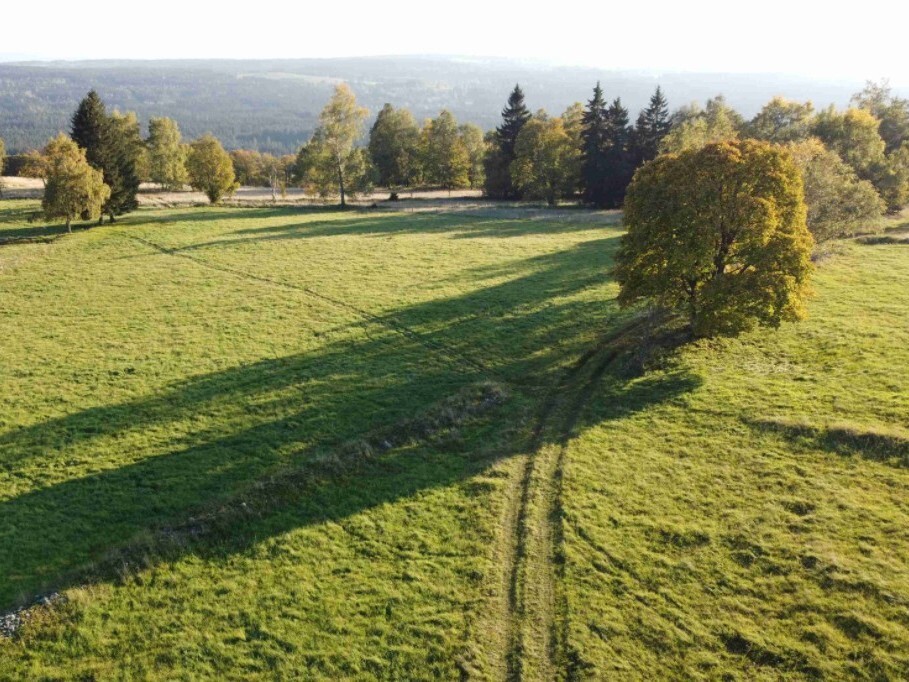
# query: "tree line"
854, 163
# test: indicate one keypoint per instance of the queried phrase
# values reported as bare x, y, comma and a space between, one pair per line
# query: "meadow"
278, 443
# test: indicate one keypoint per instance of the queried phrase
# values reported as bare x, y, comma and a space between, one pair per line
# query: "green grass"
273, 443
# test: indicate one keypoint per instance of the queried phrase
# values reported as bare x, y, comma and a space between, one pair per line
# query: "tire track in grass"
536, 611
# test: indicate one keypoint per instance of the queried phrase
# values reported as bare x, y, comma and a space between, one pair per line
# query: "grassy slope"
716, 518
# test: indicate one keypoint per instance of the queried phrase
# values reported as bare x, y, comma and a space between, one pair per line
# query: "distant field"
294, 443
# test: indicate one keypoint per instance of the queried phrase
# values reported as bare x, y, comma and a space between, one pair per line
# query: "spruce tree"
652, 126
498, 184
110, 146
594, 144
618, 162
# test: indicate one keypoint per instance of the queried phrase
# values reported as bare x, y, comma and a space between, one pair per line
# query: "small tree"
475, 145
72, 187
330, 158
445, 159
719, 234
210, 169
166, 154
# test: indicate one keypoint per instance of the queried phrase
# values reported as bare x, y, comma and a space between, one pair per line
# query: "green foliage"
892, 112
445, 159
693, 127
167, 154
501, 153
718, 233
839, 203
72, 187
330, 164
781, 121
394, 147
546, 160
475, 144
210, 169
853, 134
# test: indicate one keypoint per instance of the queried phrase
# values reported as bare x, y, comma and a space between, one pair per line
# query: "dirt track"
152, 195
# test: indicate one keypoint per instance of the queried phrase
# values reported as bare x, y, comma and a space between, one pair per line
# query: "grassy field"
278, 443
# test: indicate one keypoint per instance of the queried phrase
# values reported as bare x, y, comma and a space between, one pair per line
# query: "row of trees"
97, 169
855, 163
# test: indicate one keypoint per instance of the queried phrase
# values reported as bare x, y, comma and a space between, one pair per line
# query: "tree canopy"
546, 160
330, 163
394, 145
210, 169
719, 234
72, 187
167, 154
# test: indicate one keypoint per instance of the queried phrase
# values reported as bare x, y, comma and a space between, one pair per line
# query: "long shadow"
847, 440
216, 438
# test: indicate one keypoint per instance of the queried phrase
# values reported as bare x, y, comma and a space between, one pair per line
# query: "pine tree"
618, 162
515, 115
652, 126
110, 144
594, 144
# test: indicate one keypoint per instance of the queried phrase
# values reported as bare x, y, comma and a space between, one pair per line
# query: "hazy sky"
702, 35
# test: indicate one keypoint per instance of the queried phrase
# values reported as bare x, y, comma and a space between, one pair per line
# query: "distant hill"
272, 105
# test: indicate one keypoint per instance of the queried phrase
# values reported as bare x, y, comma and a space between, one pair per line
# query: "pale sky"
813, 38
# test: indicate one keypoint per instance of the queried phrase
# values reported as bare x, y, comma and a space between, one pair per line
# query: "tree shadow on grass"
208, 443
849, 440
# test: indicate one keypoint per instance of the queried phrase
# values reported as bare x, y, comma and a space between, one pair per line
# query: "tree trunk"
69, 226
341, 182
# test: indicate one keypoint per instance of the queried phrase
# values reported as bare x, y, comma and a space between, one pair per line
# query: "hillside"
259, 443
272, 105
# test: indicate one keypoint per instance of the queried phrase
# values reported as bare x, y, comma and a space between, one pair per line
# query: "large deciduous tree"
166, 154
330, 163
497, 164
718, 233
72, 187
394, 147
210, 169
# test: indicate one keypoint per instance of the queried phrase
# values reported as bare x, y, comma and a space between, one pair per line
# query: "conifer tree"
110, 146
594, 144
618, 161
651, 127
498, 183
